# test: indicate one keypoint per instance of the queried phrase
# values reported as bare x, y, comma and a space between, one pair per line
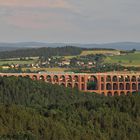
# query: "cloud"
36, 3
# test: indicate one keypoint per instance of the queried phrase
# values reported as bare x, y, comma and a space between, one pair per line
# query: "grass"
2, 62
132, 59
99, 52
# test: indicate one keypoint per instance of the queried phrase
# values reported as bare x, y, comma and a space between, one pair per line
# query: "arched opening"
134, 86
69, 79
102, 79
122, 93
76, 79
62, 84
127, 86
114, 79
121, 87
55, 79
133, 79
116, 93
102, 86
108, 78
48, 79
62, 78
108, 86
20, 76
121, 79
103, 94
76, 85
69, 85
92, 83
115, 86
128, 93
82, 79
27, 76
83, 87
109, 94
34, 77
42, 78
127, 78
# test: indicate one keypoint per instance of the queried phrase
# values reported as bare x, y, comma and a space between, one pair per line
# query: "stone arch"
108, 86
115, 86
48, 78
26, 76
76, 85
55, 78
116, 93
34, 77
92, 83
102, 86
82, 79
42, 78
62, 78
20, 76
127, 86
109, 93
115, 79
108, 78
121, 78
69, 85
76, 78
127, 78
122, 93
69, 78
83, 87
62, 84
121, 86
134, 86
133, 79
128, 93
103, 94
102, 79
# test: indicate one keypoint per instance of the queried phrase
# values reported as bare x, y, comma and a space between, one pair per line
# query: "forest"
41, 52
35, 110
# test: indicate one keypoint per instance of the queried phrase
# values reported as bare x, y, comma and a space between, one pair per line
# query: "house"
5, 67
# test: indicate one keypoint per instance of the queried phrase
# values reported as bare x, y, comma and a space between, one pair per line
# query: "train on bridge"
114, 83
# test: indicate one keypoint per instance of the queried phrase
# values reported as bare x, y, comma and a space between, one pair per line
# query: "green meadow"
132, 59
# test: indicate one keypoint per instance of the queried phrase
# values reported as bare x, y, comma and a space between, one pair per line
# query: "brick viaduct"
103, 83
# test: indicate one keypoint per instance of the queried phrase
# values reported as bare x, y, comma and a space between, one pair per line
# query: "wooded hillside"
40, 111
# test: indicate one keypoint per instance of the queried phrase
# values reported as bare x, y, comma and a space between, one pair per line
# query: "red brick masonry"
115, 83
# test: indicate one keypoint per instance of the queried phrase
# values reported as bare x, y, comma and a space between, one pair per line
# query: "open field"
115, 52
2, 62
132, 59
84, 53
46, 69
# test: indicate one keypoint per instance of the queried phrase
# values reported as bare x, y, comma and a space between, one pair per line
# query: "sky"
70, 21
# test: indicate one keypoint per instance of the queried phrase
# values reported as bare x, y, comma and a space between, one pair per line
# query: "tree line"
41, 52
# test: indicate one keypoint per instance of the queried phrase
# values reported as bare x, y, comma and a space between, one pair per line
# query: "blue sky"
81, 21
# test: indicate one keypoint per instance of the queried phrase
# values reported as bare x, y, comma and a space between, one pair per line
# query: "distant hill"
117, 45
